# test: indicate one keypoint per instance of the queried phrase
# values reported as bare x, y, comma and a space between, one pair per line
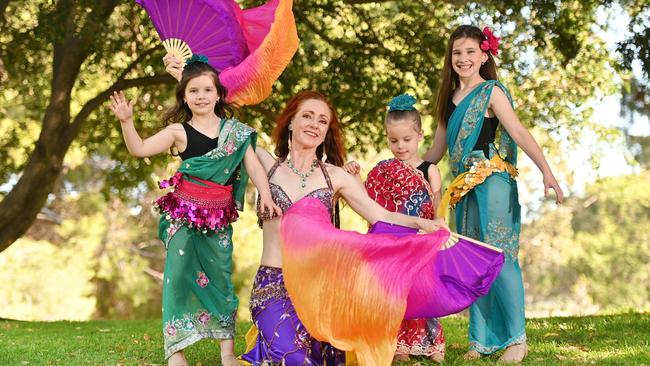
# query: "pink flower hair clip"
491, 42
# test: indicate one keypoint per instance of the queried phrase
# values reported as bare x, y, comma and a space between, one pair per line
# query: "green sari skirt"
198, 295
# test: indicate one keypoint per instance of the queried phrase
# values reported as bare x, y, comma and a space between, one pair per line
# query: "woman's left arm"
501, 107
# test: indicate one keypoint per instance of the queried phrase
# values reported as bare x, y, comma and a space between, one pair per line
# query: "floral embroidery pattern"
224, 239
229, 147
190, 325
468, 125
170, 330
204, 317
489, 350
232, 139
225, 320
171, 230
303, 339
421, 337
202, 280
502, 235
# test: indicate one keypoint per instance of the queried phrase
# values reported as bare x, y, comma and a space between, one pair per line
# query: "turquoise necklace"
303, 176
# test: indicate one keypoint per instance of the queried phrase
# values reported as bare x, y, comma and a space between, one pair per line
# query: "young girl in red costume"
411, 186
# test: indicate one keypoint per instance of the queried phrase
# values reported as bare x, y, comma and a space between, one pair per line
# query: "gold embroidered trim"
476, 175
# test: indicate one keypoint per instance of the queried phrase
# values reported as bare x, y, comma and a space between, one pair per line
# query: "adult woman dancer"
306, 131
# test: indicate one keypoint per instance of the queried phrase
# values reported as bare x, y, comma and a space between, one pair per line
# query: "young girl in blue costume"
217, 152
411, 186
478, 126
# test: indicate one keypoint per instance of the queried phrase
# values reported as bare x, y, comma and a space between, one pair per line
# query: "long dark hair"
181, 113
450, 80
333, 147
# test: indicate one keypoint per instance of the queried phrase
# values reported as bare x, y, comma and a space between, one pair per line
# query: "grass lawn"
622, 339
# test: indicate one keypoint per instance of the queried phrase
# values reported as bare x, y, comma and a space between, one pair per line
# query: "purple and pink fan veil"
250, 48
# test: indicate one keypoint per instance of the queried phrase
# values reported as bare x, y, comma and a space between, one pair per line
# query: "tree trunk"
19, 208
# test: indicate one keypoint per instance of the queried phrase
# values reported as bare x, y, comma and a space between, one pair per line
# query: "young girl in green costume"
218, 156
473, 110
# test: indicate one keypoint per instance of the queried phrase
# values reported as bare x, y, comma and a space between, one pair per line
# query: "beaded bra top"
282, 199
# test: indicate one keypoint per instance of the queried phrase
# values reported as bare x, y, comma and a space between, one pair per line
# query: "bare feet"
401, 358
437, 357
229, 360
471, 355
514, 353
177, 359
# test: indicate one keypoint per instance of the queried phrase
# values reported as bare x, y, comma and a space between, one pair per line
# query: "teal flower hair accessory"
402, 102
196, 58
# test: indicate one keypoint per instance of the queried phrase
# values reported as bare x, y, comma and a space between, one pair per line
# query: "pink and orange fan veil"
353, 290
250, 48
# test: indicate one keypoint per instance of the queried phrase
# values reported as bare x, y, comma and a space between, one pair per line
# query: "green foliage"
247, 242
636, 46
358, 54
603, 340
54, 283
593, 255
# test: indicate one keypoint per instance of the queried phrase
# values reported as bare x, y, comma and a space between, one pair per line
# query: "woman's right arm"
437, 150
160, 142
356, 196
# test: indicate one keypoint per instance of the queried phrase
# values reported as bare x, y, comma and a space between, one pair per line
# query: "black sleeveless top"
199, 144
487, 134
424, 168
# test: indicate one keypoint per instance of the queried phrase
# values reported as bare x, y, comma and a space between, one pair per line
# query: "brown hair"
181, 113
412, 115
333, 146
450, 81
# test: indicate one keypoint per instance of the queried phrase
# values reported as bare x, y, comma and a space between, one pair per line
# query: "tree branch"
313, 28
137, 61
95, 102
3, 8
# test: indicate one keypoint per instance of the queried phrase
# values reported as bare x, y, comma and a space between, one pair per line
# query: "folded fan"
178, 48
463, 271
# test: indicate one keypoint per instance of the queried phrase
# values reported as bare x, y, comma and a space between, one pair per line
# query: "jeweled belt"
476, 175
204, 205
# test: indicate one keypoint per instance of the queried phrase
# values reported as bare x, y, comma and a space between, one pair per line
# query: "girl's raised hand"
551, 182
173, 66
121, 107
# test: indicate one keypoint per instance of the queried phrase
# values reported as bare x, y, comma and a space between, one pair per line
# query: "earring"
290, 127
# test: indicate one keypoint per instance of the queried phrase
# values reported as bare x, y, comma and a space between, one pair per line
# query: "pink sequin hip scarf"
206, 206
